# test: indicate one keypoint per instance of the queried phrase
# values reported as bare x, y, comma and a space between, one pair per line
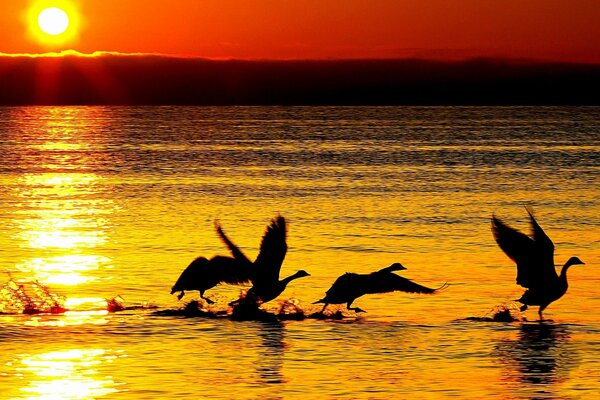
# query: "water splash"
194, 308
248, 309
331, 315
290, 309
29, 298
507, 312
115, 304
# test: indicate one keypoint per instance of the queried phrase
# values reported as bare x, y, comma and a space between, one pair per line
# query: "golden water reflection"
539, 360
64, 270
270, 363
63, 215
67, 374
70, 318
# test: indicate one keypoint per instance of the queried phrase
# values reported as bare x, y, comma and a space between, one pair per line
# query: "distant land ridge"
145, 79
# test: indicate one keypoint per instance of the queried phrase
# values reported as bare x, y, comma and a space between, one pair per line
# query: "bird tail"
319, 301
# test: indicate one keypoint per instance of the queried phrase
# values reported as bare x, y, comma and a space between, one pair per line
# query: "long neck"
290, 278
563, 272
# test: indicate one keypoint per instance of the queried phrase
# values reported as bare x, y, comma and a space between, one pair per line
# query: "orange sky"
565, 30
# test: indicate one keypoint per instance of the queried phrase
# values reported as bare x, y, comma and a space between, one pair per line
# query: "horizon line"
109, 53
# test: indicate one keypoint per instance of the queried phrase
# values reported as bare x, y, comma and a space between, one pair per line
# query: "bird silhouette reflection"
542, 354
271, 355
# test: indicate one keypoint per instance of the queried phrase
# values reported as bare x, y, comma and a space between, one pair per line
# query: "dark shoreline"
110, 79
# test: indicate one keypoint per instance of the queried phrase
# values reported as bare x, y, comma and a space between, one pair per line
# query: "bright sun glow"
53, 21
54, 24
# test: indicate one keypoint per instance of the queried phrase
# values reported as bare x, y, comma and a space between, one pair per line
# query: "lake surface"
99, 202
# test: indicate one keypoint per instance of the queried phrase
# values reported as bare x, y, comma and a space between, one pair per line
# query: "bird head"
302, 273
575, 261
396, 267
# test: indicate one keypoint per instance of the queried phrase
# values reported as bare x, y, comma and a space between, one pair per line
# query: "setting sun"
53, 21
201, 198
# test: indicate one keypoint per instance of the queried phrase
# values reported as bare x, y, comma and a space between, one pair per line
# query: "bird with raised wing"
266, 285
203, 274
351, 286
534, 256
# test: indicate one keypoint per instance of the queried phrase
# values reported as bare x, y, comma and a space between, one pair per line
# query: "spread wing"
384, 283
230, 270
347, 286
531, 257
544, 246
272, 251
235, 251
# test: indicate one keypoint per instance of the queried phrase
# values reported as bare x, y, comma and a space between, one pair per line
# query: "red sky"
562, 30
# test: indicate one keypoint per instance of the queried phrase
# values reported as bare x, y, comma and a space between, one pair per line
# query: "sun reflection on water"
70, 318
63, 216
68, 270
67, 374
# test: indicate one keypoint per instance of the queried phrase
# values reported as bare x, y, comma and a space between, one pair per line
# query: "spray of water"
29, 298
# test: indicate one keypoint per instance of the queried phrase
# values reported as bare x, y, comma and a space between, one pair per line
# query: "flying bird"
351, 286
266, 285
534, 256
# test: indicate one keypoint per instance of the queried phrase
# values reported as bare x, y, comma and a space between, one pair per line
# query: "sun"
53, 21
54, 24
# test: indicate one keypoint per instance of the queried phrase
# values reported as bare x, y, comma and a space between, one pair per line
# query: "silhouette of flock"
533, 255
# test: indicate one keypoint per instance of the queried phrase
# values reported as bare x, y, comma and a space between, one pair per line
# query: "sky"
557, 30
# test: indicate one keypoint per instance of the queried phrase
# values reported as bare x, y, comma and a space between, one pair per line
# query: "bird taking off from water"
266, 285
351, 286
203, 274
534, 256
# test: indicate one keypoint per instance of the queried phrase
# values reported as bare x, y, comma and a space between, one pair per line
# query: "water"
100, 202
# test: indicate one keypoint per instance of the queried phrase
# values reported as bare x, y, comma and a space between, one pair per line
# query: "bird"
203, 274
534, 256
351, 286
266, 285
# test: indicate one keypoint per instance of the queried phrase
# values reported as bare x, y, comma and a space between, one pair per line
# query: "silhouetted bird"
351, 286
266, 284
535, 263
203, 274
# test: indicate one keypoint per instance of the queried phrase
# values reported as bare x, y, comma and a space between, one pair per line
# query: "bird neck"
563, 272
290, 278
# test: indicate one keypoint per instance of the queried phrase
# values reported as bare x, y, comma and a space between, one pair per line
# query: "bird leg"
324, 307
542, 308
209, 301
180, 295
523, 307
355, 309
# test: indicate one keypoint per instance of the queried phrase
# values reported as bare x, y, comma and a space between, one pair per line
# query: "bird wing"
189, 277
230, 270
524, 252
235, 251
345, 288
272, 251
384, 283
544, 247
